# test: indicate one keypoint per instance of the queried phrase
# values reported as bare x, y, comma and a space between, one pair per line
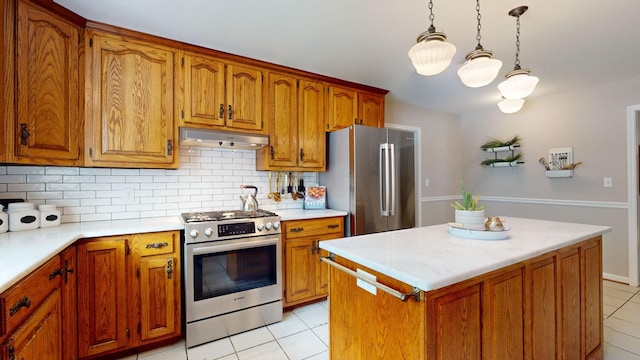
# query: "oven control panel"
229, 229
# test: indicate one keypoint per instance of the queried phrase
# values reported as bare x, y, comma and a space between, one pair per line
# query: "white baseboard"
617, 278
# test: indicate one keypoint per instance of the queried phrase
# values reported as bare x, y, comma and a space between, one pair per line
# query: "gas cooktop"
193, 217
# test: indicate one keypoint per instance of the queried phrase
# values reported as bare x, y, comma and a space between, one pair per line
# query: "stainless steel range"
233, 273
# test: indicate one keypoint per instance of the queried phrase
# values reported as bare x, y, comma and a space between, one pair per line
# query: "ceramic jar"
49, 215
23, 216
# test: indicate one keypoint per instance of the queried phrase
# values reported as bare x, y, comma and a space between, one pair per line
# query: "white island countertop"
430, 258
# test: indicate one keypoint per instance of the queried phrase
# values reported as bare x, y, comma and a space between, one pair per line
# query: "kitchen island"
535, 295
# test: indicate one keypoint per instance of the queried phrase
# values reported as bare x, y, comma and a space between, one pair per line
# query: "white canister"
49, 216
23, 216
4, 220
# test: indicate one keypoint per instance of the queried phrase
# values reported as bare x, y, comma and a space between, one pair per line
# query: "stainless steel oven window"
233, 271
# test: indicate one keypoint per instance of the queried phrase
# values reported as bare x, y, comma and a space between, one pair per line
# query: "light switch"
426, 182
608, 182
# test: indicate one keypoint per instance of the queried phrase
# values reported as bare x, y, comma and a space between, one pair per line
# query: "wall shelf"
559, 173
503, 162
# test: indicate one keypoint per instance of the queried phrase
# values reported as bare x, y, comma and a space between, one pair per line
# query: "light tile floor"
304, 334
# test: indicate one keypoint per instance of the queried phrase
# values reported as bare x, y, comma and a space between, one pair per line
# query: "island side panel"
367, 326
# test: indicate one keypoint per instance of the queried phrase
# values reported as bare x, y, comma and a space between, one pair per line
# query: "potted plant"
469, 213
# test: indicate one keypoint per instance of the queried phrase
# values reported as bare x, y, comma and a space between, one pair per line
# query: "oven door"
230, 275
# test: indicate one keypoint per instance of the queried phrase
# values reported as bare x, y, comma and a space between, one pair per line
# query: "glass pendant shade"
432, 54
480, 69
509, 106
518, 85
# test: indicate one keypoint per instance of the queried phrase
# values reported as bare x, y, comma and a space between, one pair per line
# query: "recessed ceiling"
568, 44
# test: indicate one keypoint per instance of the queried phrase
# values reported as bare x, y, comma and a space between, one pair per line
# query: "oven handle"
235, 246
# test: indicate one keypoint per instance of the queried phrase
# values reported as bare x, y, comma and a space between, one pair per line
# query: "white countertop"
24, 251
300, 214
430, 258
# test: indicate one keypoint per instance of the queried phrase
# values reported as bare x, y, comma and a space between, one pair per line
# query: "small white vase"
473, 220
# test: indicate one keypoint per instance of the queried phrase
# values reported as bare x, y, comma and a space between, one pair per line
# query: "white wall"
440, 155
208, 179
593, 122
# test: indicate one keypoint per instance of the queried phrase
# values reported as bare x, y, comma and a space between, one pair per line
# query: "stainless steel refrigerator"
371, 175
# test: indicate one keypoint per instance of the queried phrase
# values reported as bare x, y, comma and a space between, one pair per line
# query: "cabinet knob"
272, 152
230, 112
169, 269
221, 111
25, 302
301, 154
24, 134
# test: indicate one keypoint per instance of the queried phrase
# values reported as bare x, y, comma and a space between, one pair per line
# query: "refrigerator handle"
391, 164
384, 179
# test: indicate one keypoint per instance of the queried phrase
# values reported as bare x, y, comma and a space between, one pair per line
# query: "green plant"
469, 203
509, 159
494, 143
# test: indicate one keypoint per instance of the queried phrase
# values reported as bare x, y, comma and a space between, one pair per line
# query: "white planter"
473, 220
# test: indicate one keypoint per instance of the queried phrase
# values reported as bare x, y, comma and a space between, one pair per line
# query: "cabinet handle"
24, 134
169, 269
272, 152
24, 302
313, 248
157, 245
12, 353
55, 273
221, 111
296, 230
301, 154
67, 271
333, 226
169, 147
230, 112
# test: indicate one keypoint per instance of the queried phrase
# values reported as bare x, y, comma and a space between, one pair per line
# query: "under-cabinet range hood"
222, 139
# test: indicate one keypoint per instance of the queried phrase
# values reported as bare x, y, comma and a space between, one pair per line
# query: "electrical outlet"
608, 182
129, 194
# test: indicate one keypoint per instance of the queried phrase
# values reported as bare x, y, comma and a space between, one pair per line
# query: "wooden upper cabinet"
311, 133
203, 100
244, 97
295, 114
219, 94
343, 107
130, 117
350, 106
371, 109
45, 127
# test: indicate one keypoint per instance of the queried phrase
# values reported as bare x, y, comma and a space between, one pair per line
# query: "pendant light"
432, 54
480, 68
510, 106
519, 84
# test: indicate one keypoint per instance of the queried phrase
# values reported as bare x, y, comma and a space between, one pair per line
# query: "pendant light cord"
517, 63
431, 28
478, 36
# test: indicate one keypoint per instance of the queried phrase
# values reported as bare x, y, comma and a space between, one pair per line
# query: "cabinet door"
502, 316
569, 305
131, 113
282, 117
540, 310
47, 124
203, 99
371, 109
159, 305
454, 325
244, 97
68, 260
311, 134
343, 107
300, 281
102, 296
39, 336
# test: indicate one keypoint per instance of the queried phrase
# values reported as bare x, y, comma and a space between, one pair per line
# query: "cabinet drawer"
19, 301
303, 228
157, 243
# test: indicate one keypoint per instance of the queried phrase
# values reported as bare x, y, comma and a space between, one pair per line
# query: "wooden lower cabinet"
39, 336
549, 307
306, 277
128, 292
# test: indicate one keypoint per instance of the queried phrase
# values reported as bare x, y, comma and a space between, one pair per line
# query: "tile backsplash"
208, 179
